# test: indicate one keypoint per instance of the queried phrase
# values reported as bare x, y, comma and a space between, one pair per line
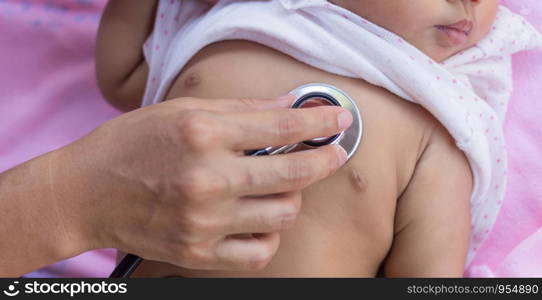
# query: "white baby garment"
468, 93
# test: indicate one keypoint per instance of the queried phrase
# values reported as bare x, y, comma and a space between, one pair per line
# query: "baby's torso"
346, 225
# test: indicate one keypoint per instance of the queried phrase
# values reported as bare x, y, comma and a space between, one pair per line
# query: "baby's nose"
468, 5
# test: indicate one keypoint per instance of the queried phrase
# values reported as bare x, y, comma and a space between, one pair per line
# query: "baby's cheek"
485, 17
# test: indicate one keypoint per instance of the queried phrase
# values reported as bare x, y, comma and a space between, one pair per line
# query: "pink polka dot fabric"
514, 244
468, 93
487, 68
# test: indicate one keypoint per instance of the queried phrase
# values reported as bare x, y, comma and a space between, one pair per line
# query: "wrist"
37, 227
72, 191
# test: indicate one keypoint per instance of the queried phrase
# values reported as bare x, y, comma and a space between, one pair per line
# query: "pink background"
48, 98
48, 93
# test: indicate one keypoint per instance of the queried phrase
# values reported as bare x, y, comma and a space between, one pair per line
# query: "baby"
402, 205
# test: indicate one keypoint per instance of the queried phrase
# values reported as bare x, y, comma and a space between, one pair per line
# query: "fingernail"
343, 156
344, 119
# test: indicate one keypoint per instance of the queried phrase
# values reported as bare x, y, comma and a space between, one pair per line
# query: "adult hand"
170, 182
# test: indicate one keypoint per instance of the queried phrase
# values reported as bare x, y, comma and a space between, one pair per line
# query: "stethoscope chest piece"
316, 94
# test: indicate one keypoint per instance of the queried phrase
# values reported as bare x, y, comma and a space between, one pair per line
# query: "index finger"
278, 127
236, 104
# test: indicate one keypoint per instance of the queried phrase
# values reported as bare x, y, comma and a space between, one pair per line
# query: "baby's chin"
440, 57
440, 54
438, 48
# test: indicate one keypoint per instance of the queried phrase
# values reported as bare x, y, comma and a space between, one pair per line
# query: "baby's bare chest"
346, 222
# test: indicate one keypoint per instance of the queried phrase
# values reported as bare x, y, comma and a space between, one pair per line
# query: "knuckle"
289, 127
299, 173
285, 221
192, 227
207, 226
197, 228
203, 184
289, 211
188, 226
284, 218
195, 255
248, 102
248, 179
198, 130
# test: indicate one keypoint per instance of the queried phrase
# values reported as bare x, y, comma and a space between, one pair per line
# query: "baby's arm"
120, 65
432, 222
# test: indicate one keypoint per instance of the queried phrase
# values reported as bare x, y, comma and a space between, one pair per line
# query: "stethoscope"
313, 94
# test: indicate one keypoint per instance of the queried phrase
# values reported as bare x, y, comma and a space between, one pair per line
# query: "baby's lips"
463, 25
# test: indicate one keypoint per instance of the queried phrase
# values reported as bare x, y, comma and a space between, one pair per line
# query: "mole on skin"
359, 181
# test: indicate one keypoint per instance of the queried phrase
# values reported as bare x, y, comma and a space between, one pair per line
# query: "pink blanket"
514, 246
48, 98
